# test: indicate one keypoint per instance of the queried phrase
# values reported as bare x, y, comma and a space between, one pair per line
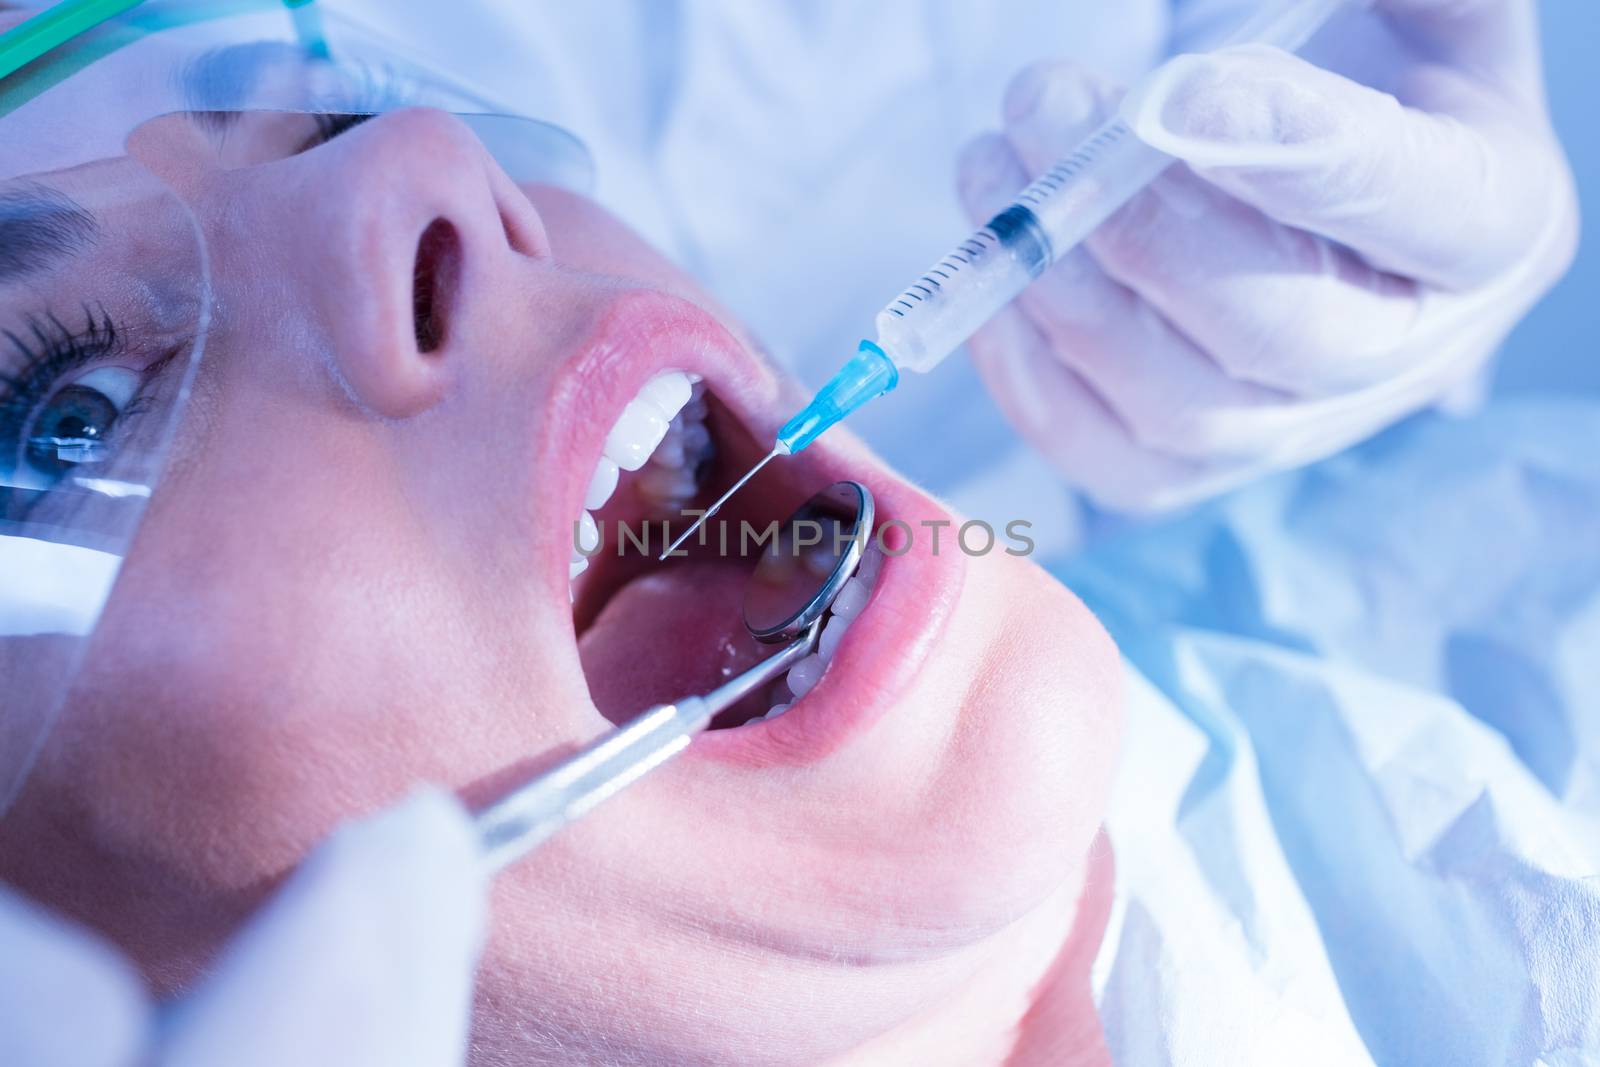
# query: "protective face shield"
106, 285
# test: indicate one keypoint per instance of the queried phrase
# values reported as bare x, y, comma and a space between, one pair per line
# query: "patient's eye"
75, 424
66, 400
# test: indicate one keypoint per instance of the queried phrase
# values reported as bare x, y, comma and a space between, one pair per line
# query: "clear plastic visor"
107, 285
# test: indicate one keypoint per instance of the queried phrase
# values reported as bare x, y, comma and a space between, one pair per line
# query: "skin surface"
341, 590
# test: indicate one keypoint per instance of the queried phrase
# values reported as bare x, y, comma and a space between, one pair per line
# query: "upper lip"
642, 332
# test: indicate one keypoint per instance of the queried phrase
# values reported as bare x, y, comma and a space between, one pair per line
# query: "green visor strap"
54, 27
24, 46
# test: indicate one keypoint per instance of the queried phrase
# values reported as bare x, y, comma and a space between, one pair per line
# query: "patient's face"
355, 577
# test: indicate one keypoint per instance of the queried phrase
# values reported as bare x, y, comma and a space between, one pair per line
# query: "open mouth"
651, 632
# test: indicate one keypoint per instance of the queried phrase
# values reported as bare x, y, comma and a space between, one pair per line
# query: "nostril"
437, 268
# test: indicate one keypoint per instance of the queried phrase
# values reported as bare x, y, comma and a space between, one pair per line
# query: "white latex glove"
365, 957
1328, 258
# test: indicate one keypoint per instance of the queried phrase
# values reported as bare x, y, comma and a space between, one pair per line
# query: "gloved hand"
366, 956
1328, 257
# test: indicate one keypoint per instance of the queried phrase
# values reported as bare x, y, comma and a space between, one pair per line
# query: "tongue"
668, 634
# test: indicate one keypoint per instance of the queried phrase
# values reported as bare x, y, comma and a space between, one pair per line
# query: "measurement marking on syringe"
928, 286
1052, 180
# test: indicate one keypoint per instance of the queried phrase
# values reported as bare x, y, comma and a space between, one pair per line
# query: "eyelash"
56, 353
331, 125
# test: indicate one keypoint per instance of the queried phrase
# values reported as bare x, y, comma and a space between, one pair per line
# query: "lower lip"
911, 605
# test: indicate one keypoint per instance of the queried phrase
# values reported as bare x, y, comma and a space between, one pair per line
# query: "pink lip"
643, 332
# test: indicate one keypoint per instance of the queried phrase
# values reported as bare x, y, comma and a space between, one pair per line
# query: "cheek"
303, 655
1045, 714
222, 728
1022, 768
585, 237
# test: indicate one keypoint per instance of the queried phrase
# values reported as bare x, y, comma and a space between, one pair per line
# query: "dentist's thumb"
1448, 199
366, 955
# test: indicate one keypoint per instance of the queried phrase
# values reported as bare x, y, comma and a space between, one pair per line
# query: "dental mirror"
807, 562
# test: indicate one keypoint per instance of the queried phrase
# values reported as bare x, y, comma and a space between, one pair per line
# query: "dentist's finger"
1427, 196
365, 957
1168, 394
1489, 39
1267, 303
1219, 309
1062, 417
67, 998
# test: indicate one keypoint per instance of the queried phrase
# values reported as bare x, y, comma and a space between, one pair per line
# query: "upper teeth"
661, 430
643, 423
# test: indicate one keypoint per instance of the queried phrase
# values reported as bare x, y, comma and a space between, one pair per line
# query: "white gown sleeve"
1360, 799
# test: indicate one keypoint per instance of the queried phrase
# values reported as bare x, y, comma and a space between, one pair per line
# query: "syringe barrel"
963, 290
985, 272
1073, 198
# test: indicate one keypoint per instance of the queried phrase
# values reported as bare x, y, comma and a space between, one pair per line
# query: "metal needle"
721, 500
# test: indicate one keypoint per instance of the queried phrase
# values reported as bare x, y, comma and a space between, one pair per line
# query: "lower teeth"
847, 606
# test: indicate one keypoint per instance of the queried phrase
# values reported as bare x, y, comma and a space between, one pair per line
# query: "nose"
400, 225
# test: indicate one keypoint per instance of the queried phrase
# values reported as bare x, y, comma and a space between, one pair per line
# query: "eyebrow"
219, 83
227, 78
39, 225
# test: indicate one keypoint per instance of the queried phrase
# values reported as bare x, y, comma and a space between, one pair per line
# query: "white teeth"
806, 674
661, 435
663, 483
639, 428
602, 485
851, 599
669, 480
847, 606
832, 634
669, 453
696, 438
871, 563
586, 539
668, 392
643, 422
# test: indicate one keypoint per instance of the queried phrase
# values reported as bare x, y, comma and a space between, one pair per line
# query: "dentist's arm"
1331, 255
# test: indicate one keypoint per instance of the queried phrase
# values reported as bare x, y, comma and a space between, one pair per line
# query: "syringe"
984, 273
